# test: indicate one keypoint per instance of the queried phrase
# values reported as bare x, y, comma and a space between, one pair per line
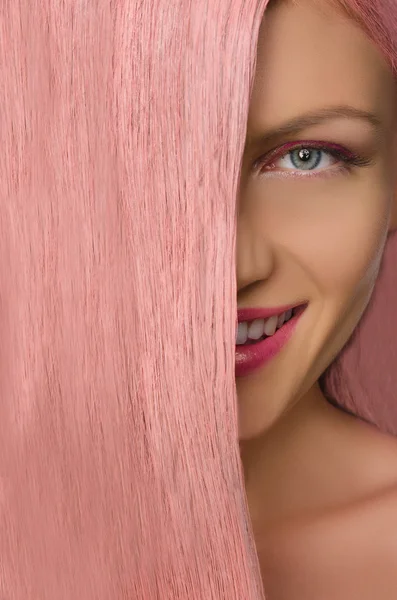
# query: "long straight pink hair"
122, 129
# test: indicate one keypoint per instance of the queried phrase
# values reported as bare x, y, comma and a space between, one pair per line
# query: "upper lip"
250, 314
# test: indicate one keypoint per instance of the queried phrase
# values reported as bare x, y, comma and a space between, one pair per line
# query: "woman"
123, 128
318, 200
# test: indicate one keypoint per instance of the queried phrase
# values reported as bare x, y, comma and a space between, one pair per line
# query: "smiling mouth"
253, 331
252, 354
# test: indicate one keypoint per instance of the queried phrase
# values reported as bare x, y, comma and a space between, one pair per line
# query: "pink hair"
122, 132
363, 379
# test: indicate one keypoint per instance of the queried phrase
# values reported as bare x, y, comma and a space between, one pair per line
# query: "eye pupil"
304, 154
306, 158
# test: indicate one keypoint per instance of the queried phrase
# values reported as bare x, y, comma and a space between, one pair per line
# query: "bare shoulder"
349, 553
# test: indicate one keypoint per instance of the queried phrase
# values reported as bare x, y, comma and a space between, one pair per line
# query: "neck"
306, 462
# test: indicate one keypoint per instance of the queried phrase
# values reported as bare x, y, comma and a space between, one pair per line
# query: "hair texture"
363, 378
122, 129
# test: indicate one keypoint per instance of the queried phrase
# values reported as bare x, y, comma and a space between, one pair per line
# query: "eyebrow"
311, 119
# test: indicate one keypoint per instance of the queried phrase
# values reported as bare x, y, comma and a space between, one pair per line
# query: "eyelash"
348, 158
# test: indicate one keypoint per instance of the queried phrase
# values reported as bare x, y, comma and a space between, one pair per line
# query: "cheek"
335, 237
342, 254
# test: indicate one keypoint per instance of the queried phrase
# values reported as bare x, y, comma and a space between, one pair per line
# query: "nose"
254, 255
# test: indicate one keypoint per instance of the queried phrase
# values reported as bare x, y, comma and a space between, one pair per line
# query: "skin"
316, 478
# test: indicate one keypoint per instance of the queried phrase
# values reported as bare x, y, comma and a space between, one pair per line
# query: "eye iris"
303, 158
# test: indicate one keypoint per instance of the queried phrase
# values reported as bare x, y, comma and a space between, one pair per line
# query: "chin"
258, 414
264, 401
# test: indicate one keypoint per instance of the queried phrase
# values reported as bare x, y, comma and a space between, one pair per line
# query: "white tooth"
242, 333
281, 320
271, 325
288, 314
255, 330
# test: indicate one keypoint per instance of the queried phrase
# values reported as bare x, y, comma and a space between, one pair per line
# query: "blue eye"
311, 157
306, 159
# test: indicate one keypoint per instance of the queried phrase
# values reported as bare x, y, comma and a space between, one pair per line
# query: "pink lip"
249, 358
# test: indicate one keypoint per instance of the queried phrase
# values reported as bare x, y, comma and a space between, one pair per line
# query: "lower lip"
251, 357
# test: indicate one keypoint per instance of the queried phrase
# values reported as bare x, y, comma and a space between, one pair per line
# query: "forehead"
311, 55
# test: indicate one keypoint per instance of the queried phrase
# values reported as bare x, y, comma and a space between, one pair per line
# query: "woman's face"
317, 194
